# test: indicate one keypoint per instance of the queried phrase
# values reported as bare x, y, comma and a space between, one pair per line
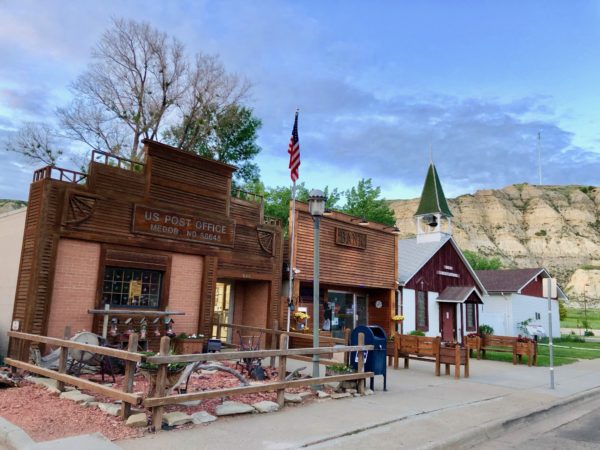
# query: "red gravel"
45, 417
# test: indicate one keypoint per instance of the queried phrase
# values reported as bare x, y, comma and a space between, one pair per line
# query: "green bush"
588, 333
562, 310
485, 330
417, 333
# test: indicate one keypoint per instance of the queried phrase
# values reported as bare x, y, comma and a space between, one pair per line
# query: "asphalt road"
571, 427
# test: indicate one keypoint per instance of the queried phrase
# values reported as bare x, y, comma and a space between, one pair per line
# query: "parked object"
518, 346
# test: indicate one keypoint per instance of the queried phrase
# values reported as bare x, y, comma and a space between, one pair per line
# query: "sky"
381, 85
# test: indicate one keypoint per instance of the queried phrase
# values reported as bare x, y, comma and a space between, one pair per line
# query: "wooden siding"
170, 180
534, 288
428, 278
341, 265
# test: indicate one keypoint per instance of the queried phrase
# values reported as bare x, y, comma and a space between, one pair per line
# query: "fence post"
457, 361
347, 342
62, 366
132, 347
361, 363
283, 345
161, 383
274, 341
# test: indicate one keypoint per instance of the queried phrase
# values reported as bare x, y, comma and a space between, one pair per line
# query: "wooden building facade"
166, 234
358, 267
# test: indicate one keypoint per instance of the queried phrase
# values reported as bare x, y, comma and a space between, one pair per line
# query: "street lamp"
316, 207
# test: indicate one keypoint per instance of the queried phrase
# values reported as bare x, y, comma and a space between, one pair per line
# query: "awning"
460, 294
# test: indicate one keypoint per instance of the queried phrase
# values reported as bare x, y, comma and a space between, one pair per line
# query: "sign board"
350, 238
550, 287
173, 225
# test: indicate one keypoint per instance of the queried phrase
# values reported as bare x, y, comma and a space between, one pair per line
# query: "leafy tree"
228, 135
562, 310
480, 262
363, 201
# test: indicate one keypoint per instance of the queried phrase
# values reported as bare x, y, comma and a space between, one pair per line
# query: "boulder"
292, 398
202, 417
176, 418
110, 408
369, 392
137, 420
230, 408
266, 406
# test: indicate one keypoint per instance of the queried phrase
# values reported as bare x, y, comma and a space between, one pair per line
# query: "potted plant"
185, 344
391, 345
473, 341
526, 347
150, 372
301, 318
448, 351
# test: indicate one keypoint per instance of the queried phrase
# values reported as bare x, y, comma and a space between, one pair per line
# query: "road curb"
13, 436
495, 429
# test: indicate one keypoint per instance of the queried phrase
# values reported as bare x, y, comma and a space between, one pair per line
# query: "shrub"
588, 333
562, 310
417, 333
541, 233
485, 330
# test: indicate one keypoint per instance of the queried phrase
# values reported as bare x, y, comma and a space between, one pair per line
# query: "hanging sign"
173, 225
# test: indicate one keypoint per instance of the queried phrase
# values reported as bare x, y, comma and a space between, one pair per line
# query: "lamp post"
316, 207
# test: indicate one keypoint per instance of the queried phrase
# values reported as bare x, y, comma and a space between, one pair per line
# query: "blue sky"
377, 83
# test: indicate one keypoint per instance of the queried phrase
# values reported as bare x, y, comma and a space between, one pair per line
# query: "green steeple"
433, 199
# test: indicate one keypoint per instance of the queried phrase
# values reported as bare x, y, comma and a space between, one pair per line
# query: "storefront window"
422, 319
133, 288
347, 310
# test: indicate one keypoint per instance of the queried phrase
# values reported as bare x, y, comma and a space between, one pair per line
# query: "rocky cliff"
557, 227
9, 205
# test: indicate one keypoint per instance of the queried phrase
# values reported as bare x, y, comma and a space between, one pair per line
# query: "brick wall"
75, 283
185, 291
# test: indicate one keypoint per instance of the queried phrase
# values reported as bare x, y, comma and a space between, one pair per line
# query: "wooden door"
448, 311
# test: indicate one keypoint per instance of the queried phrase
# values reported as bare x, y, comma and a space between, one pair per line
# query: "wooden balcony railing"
60, 174
111, 159
248, 196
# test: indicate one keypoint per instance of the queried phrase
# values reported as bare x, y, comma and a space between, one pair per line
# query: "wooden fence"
129, 356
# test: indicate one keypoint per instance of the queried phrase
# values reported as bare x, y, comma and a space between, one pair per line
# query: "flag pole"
291, 266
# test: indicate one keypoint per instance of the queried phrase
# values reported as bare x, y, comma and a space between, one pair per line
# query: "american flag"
294, 151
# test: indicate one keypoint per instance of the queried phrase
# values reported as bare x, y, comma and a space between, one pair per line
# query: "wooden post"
274, 341
283, 344
397, 339
361, 364
105, 321
467, 363
218, 336
457, 362
161, 384
62, 366
132, 346
347, 342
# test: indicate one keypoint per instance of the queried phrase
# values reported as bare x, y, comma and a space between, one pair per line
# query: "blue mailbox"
375, 360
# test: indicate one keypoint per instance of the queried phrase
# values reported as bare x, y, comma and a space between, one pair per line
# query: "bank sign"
183, 227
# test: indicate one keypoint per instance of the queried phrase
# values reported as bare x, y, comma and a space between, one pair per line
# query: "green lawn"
576, 317
565, 352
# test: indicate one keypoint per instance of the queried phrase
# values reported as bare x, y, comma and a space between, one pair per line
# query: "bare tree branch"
37, 142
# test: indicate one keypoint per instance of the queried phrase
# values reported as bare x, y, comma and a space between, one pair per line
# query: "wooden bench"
508, 344
430, 349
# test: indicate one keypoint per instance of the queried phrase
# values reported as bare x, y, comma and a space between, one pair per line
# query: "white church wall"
496, 312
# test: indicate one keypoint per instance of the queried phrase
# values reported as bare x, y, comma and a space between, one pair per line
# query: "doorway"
223, 309
347, 311
448, 313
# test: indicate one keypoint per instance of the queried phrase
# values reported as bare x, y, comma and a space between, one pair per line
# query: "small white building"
12, 226
515, 303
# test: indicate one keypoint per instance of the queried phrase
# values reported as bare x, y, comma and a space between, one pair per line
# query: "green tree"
562, 310
480, 262
363, 201
228, 134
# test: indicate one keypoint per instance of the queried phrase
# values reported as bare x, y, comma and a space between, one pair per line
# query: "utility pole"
550, 291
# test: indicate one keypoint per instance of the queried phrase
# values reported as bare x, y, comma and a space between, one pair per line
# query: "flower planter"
528, 349
473, 343
456, 356
188, 346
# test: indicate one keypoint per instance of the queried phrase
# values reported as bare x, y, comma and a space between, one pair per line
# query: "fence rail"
111, 159
60, 174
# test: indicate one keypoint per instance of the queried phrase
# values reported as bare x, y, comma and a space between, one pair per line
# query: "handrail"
248, 196
107, 158
273, 221
60, 174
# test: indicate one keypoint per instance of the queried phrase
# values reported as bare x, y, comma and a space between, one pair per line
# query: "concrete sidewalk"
419, 410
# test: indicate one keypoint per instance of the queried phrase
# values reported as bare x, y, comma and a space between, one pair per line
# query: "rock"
176, 418
68, 388
338, 395
356, 395
110, 408
137, 420
191, 403
230, 408
46, 382
202, 417
292, 398
323, 394
266, 406
369, 392
347, 385
77, 397
304, 395
351, 391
